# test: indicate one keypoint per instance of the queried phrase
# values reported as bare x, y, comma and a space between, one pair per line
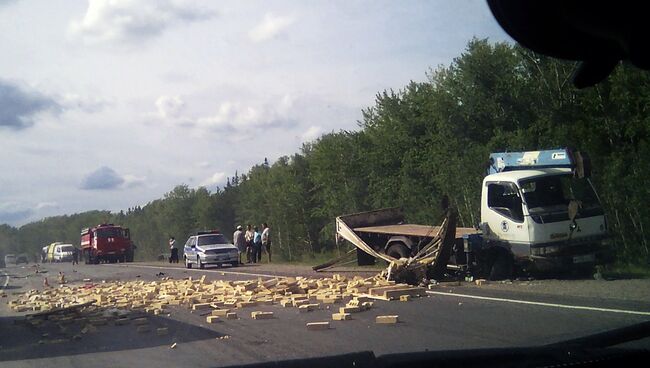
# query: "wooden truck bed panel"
412, 230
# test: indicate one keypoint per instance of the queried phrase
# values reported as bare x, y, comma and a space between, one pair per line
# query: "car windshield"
227, 183
553, 193
212, 239
110, 233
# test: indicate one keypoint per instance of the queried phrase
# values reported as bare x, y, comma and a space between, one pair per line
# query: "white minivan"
63, 252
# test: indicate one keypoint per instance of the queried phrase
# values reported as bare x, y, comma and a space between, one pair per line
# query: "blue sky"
110, 104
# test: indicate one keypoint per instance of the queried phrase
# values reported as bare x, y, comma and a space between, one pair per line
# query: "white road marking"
541, 303
200, 270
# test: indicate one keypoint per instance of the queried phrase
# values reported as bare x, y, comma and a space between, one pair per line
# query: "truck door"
503, 213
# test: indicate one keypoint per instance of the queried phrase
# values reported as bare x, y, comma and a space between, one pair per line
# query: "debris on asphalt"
173, 346
387, 319
120, 303
318, 326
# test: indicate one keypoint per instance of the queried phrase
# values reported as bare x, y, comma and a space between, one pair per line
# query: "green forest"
412, 147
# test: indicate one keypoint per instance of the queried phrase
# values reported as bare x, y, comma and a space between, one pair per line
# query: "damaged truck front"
539, 213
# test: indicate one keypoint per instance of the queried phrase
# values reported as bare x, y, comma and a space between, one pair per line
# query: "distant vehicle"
58, 252
209, 247
22, 258
106, 243
10, 259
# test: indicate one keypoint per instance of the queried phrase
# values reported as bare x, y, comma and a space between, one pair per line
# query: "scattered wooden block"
220, 312
349, 309
341, 316
318, 326
404, 298
262, 315
201, 306
481, 282
387, 319
231, 315
212, 319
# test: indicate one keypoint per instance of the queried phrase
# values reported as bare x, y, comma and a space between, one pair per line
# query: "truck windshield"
110, 233
212, 239
553, 194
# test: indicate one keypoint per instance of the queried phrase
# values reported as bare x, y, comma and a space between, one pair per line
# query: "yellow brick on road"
220, 312
387, 319
212, 319
318, 326
341, 316
349, 309
262, 315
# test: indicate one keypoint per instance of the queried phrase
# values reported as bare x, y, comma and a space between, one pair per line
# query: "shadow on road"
20, 340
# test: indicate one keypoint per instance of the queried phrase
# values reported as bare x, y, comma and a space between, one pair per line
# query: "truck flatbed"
412, 230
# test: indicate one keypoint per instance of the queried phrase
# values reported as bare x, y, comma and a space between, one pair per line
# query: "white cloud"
270, 27
312, 133
132, 181
230, 116
204, 164
45, 205
169, 106
133, 20
71, 101
216, 179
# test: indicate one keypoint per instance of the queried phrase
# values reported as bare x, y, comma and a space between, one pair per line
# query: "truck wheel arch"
405, 240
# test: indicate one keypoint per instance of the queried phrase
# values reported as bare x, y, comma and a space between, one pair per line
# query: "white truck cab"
535, 206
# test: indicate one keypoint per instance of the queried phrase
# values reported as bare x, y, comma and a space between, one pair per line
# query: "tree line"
414, 146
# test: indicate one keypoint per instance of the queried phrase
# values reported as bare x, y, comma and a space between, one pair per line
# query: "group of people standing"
252, 242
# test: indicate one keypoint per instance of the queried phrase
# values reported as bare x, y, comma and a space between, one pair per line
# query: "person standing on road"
266, 239
174, 251
257, 246
75, 256
248, 238
240, 242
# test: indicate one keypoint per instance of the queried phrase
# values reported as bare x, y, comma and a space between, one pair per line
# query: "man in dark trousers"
266, 239
174, 250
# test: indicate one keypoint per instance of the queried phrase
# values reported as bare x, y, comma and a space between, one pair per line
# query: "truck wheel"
187, 263
398, 250
502, 267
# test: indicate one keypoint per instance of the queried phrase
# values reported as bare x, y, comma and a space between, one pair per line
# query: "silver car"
209, 248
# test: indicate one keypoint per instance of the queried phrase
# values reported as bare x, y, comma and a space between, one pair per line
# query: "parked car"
22, 258
10, 259
209, 247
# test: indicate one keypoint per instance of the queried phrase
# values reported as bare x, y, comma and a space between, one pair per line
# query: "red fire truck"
106, 243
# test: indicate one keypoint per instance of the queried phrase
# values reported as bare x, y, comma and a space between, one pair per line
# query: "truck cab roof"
517, 175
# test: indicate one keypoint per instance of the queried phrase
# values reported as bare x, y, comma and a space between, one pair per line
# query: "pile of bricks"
198, 294
218, 300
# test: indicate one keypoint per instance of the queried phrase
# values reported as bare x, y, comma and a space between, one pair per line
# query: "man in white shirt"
174, 250
266, 239
239, 241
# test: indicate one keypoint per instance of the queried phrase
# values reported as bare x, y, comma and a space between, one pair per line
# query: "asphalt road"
451, 317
